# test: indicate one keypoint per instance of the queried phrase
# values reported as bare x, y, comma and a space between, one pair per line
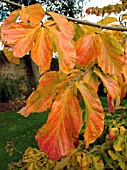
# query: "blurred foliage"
108, 152
11, 88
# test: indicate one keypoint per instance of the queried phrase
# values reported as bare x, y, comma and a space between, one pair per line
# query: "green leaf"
121, 160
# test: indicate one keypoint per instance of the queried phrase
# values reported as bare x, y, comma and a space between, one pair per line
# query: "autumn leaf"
60, 133
11, 19
91, 78
79, 31
41, 52
87, 49
9, 55
94, 112
110, 103
21, 35
64, 25
42, 98
112, 55
107, 20
65, 49
32, 14
109, 82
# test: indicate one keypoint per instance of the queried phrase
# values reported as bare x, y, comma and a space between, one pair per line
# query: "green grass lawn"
21, 132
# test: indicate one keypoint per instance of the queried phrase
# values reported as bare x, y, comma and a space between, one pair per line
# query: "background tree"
72, 8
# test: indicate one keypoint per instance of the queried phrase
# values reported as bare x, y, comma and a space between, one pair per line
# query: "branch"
117, 28
12, 3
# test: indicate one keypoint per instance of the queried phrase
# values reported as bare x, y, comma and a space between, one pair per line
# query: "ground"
11, 105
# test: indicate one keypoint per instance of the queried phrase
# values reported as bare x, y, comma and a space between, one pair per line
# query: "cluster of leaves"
108, 152
86, 57
117, 8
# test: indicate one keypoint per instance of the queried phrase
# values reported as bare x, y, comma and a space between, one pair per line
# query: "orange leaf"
91, 78
42, 99
65, 49
109, 82
60, 133
63, 24
32, 14
22, 35
42, 50
112, 55
87, 49
94, 112
10, 56
11, 19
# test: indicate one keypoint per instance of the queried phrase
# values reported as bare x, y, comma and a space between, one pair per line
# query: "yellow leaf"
107, 20
112, 154
112, 54
10, 56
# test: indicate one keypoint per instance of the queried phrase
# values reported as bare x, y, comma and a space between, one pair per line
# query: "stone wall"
12, 70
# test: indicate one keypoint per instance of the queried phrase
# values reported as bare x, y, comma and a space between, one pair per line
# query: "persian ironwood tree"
87, 55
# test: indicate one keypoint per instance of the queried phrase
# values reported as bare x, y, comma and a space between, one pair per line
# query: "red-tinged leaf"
60, 133
110, 103
22, 35
112, 55
42, 99
11, 19
9, 55
41, 52
32, 14
94, 112
63, 24
109, 82
113, 133
23, 112
91, 78
65, 49
87, 48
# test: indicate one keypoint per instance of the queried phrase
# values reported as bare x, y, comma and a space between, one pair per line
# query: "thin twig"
84, 22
